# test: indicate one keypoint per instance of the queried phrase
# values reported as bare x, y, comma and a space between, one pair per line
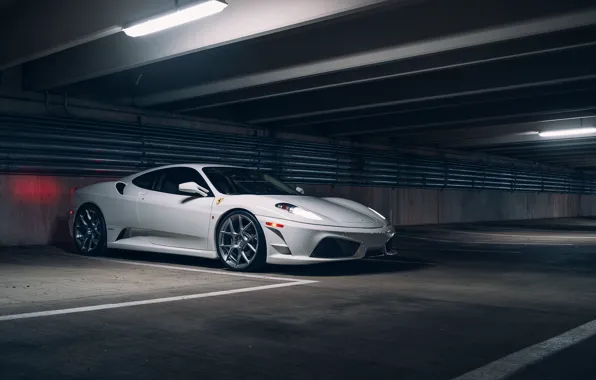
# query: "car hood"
332, 214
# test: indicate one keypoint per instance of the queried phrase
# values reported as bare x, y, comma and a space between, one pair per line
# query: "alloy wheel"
238, 241
88, 230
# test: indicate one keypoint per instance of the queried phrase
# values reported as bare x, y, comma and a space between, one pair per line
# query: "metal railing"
66, 146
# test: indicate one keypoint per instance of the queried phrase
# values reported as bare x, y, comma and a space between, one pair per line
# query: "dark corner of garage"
298, 189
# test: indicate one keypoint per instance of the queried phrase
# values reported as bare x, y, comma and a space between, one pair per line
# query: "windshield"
236, 181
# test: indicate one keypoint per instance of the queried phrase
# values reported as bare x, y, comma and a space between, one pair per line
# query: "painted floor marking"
188, 269
423, 238
510, 364
521, 243
487, 242
480, 250
555, 237
287, 282
147, 302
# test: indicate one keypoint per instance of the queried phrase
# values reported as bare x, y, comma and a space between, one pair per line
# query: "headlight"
377, 213
297, 211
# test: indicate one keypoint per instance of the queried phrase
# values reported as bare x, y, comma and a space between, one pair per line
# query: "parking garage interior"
469, 125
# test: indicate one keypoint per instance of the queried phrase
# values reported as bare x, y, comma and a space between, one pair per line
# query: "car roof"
197, 166
191, 165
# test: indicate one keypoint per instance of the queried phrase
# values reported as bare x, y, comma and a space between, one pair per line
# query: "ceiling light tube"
568, 132
179, 17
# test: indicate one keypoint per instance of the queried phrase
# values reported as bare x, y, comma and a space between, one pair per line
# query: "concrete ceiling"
460, 74
7, 3
89, 33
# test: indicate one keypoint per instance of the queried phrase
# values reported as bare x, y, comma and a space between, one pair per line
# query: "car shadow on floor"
375, 265
381, 265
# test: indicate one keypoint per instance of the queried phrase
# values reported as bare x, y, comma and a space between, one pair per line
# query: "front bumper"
295, 242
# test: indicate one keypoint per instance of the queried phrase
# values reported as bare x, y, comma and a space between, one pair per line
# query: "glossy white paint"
301, 239
147, 220
175, 220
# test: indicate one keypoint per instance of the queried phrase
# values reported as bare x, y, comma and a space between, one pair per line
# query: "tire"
240, 242
89, 231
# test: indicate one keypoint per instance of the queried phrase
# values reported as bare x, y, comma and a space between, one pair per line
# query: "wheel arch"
222, 218
86, 203
92, 204
102, 243
260, 257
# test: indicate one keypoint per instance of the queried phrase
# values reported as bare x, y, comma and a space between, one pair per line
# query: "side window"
146, 181
173, 177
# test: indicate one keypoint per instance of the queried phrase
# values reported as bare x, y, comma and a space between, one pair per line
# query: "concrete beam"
55, 106
570, 145
567, 155
586, 108
512, 134
242, 19
49, 27
585, 163
517, 48
470, 137
368, 58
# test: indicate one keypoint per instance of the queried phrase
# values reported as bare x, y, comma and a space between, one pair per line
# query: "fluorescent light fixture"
179, 17
568, 132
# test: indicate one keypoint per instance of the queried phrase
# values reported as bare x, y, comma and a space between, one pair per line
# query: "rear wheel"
241, 242
89, 231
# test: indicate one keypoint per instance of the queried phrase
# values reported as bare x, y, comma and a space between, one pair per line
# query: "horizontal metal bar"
66, 147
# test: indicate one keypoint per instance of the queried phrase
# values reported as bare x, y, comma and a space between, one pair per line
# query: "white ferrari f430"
244, 217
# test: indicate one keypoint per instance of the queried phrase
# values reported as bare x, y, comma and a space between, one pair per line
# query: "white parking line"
520, 243
479, 250
148, 302
509, 365
188, 269
286, 283
423, 238
555, 237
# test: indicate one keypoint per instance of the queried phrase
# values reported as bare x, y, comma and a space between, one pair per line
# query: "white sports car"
242, 216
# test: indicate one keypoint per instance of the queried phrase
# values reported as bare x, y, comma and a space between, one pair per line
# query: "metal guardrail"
66, 146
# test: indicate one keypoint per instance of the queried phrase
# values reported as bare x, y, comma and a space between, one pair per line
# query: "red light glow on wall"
34, 189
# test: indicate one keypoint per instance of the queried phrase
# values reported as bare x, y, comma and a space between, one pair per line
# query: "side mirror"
300, 190
193, 188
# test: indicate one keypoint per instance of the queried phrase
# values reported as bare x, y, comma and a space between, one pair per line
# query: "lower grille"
375, 252
331, 248
381, 251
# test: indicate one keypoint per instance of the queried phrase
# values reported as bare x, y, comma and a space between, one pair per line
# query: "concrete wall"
587, 205
34, 209
408, 206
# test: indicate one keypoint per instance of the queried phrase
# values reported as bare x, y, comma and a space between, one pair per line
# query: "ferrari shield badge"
217, 202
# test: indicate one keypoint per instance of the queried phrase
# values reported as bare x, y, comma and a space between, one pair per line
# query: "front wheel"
241, 242
89, 231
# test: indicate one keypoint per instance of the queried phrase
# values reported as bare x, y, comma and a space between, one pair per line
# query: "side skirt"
142, 243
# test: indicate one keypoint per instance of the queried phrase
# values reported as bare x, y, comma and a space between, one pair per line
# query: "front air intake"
331, 248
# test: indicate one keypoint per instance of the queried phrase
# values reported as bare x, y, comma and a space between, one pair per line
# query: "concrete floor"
456, 298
